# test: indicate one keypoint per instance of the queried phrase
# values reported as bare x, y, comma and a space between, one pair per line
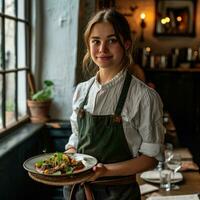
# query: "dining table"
189, 185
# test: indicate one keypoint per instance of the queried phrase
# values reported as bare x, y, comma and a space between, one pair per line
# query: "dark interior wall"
180, 92
86, 10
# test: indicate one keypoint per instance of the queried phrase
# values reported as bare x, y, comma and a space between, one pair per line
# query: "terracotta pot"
39, 111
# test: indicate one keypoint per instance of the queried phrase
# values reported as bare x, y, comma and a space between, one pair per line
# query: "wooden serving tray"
61, 180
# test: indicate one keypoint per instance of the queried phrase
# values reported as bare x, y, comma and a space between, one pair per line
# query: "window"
14, 61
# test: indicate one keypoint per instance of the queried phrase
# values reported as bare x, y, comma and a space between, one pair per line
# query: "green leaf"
39, 164
57, 173
48, 83
46, 93
60, 155
69, 170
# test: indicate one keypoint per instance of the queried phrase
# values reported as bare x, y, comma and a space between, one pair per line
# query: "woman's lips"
104, 58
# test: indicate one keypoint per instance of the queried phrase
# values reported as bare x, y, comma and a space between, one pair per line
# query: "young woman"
116, 117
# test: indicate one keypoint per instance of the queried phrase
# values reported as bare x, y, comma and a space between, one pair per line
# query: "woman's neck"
105, 75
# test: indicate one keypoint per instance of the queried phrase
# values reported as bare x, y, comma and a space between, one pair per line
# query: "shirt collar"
117, 78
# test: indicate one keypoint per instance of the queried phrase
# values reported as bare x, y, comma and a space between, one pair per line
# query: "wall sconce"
142, 25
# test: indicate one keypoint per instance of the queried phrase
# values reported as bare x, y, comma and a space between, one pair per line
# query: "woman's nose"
103, 47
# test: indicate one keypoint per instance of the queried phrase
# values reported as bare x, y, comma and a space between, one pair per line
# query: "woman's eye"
95, 41
112, 40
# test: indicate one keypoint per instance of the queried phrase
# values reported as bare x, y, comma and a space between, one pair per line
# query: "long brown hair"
122, 31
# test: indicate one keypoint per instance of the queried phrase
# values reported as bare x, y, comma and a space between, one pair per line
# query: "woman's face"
105, 49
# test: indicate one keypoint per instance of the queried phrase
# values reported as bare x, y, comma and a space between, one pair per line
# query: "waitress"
116, 117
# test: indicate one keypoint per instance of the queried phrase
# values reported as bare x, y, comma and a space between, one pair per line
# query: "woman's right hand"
99, 171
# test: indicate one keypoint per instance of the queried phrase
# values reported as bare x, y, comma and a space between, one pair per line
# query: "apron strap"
86, 96
87, 190
123, 94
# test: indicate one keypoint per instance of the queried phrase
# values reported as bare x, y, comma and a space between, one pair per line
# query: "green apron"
103, 137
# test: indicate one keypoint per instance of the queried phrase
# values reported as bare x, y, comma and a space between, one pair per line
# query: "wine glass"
174, 163
167, 156
168, 152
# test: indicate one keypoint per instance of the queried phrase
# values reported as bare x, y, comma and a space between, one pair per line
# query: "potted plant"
40, 102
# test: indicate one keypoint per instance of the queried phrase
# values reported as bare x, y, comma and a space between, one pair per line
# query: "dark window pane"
22, 88
10, 98
10, 55
21, 45
10, 7
21, 13
1, 5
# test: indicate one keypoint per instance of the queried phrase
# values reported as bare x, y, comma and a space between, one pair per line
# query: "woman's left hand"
99, 171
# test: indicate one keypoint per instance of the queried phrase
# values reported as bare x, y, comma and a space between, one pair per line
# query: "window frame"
16, 69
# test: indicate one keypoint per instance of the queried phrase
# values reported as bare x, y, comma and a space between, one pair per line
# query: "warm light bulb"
167, 19
148, 49
142, 25
142, 16
179, 18
163, 21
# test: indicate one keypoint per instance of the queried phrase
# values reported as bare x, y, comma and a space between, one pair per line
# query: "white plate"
154, 177
87, 160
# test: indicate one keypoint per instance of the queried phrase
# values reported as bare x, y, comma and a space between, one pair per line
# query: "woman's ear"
127, 44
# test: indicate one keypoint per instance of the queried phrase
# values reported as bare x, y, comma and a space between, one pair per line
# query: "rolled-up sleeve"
73, 139
150, 125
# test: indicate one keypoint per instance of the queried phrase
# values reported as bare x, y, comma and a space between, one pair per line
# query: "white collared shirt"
142, 113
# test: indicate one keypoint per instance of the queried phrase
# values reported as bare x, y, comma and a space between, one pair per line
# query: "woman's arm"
71, 146
130, 167
125, 168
